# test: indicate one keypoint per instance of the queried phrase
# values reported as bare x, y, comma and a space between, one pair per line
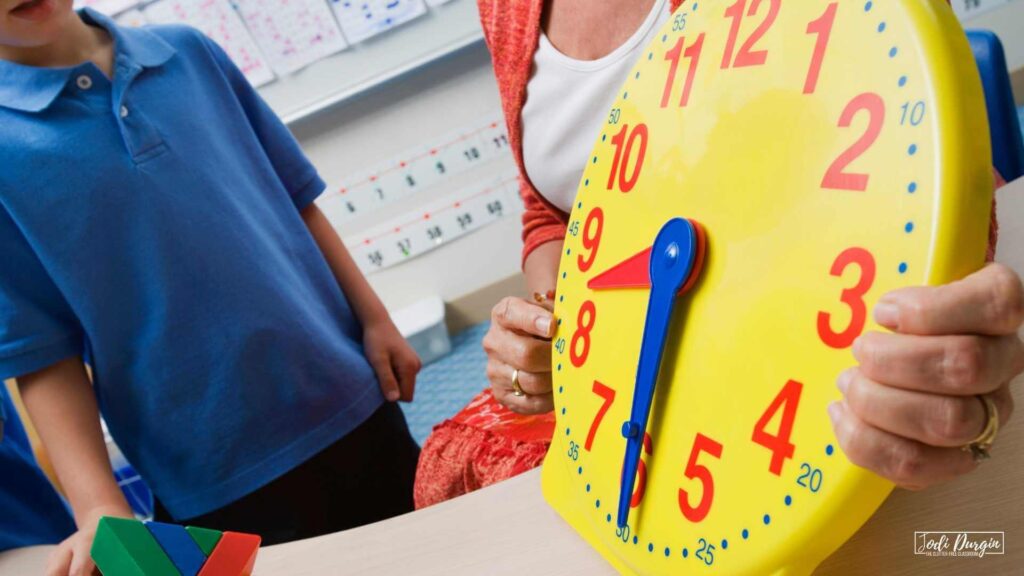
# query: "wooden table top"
509, 529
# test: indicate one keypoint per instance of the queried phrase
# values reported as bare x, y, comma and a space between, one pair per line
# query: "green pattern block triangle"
126, 548
206, 538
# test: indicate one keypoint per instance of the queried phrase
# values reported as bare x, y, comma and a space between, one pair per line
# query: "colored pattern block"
132, 548
235, 555
126, 548
179, 546
206, 539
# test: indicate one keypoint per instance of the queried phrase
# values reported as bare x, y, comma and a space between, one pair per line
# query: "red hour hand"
634, 272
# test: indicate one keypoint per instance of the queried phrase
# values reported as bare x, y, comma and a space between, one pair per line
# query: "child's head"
33, 23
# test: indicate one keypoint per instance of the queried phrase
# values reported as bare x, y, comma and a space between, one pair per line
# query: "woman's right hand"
520, 338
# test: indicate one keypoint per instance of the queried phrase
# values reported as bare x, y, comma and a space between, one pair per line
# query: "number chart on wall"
968, 9
438, 223
423, 178
416, 170
769, 169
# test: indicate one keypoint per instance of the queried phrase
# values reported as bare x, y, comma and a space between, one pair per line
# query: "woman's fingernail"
833, 412
543, 324
887, 314
843, 382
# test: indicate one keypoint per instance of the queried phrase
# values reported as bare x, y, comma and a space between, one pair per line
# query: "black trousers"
365, 477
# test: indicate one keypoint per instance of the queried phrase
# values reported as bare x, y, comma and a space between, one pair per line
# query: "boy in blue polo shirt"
31, 512
156, 220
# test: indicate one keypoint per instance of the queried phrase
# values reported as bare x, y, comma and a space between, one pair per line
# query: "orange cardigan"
511, 29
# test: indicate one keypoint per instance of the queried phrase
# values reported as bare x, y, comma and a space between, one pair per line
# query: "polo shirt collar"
33, 89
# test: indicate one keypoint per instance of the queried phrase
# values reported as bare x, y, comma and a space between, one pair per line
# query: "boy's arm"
394, 361
61, 404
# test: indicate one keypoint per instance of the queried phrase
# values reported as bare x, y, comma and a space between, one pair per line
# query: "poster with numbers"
967, 9
292, 34
362, 19
218, 20
108, 7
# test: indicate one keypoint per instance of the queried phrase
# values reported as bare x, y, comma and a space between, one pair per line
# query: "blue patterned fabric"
444, 387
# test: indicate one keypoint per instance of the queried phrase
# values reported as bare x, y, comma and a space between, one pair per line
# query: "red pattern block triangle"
235, 555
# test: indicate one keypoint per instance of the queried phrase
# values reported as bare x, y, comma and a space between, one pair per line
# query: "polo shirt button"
84, 82
124, 111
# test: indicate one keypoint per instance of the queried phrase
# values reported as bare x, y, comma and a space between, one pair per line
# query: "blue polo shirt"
31, 512
151, 224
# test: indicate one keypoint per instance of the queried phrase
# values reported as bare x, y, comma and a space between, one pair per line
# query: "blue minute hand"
672, 262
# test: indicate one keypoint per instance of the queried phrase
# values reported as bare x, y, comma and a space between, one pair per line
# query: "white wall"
406, 113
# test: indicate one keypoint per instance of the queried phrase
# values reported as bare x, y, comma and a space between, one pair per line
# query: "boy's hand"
71, 558
392, 358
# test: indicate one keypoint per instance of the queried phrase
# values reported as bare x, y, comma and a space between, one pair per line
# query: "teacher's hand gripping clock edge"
913, 401
519, 344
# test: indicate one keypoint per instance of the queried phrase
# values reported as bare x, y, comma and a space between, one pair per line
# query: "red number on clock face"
608, 395
591, 238
693, 470
822, 27
641, 474
852, 297
747, 56
584, 324
788, 399
835, 177
673, 56
623, 152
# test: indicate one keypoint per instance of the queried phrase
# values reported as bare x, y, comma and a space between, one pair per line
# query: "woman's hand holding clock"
913, 401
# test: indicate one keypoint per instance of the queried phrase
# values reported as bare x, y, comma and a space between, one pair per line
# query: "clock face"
831, 152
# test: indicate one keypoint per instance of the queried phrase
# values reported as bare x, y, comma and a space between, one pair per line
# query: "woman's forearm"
541, 267
365, 303
61, 404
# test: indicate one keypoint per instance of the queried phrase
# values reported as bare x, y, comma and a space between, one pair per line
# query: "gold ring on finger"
517, 390
980, 446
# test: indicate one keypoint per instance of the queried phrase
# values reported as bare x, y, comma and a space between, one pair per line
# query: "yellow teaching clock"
768, 171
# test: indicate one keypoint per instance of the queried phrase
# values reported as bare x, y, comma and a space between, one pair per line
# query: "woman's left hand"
913, 402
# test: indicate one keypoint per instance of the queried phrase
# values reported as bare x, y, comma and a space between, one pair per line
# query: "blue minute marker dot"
903, 81
580, 470
685, 552
909, 227
745, 534
767, 519
903, 268
664, 37
608, 518
650, 55
625, 95
563, 275
881, 27
566, 431
559, 321
867, 7
560, 388
667, 552
588, 487
597, 504
561, 298
568, 251
580, 204
637, 76
563, 411
650, 547
694, 6
893, 52
788, 500
725, 544
635, 539
829, 450
594, 160
912, 187
912, 150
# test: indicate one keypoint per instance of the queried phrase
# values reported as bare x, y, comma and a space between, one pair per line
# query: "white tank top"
567, 102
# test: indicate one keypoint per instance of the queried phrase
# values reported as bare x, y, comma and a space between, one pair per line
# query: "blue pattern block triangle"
183, 551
